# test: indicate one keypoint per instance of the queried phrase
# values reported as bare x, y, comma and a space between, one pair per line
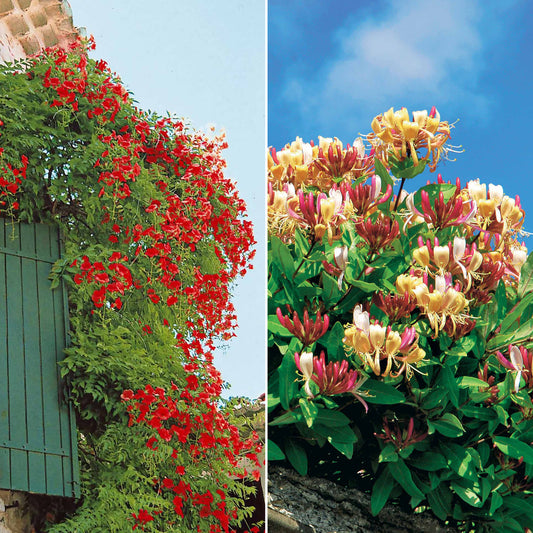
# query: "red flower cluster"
206, 436
193, 202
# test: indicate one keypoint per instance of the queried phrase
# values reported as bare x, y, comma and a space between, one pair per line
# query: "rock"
313, 505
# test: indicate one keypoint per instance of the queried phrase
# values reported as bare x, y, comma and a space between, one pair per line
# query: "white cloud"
423, 52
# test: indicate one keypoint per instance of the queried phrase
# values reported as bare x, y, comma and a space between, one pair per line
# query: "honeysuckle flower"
332, 378
499, 217
374, 343
441, 303
483, 375
518, 256
308, 332
279, 221
521, 362
305, 365
340, 255
290, 164
395, 306
393, 132
460, 259
401, 437
338, 269
454, 212
488, 275
323, 215
456, 330
365, 198
325, 142
406, 283
379, 233
340, 164
421, 256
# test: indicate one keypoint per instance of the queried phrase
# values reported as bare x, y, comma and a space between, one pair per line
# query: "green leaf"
343, 439
287, 373
309, 410
512, 319
520, 506
526, 277
296, 455
502, 414
331, 418
282, 256
440, 500
274, 451
275, 327
383, 173
406, 169
364, 286
470, 381
381, 393
436, 396
447, 425
290, 417
302, 244
447, 381
272, 401
522, 399
466, 494
402, 475
514, 448
430, 461
495, 502
330, 293
388, 454
381, 491
332, 341
459, 460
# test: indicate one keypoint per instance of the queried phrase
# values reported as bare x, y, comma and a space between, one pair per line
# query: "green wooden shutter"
38, 445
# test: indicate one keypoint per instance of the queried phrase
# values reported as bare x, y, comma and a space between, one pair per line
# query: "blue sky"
204, 61
333, 66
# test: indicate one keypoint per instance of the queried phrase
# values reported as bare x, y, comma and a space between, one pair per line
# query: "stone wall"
299, 504
16, 519
26, 26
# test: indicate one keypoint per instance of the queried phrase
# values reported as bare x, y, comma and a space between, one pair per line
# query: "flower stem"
399, 193
306, 256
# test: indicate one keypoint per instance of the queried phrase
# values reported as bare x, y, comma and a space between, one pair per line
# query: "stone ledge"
299, 504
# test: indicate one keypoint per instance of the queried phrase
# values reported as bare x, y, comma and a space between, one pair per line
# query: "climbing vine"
153, 236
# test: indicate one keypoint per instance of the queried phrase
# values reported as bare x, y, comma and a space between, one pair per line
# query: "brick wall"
26, 26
